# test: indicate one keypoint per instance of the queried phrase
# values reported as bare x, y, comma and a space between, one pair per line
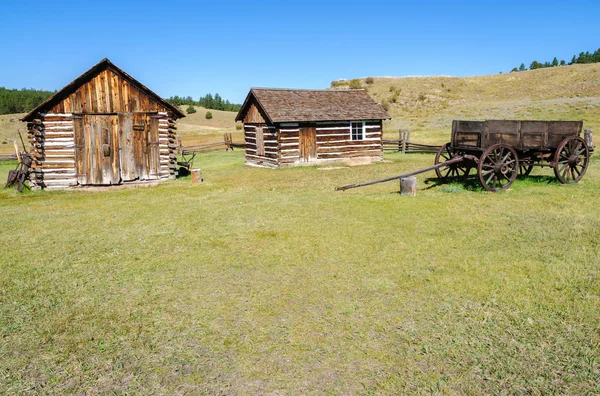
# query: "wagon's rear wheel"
450, 172
498, 167
571, 160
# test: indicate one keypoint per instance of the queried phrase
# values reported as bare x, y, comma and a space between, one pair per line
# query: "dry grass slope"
427, 105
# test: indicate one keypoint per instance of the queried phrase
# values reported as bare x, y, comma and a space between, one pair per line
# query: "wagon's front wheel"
454, 171
571, 160
498, 167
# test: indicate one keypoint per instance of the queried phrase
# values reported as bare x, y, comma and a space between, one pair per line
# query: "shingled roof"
85, 77
300, 105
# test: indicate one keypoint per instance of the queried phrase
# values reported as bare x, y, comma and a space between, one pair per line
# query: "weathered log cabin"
287, 127
104, 128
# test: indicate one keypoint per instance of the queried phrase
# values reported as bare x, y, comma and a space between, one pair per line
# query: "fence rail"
227, 144
404, 145
8, 157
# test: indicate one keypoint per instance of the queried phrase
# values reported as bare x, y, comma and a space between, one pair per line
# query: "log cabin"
104, 128
289, 127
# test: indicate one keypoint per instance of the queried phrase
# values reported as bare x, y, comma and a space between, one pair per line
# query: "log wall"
52, 139
270, 155
334, 141
167, 146
289, 143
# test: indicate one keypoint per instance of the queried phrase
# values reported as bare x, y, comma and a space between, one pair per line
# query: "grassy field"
269, 281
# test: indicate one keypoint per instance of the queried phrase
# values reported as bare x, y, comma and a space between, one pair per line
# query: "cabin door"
97, 150
308, 144
138, 137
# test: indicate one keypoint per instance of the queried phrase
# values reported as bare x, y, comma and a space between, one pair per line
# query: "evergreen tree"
522, 67
562, 62
535, 65
554, 62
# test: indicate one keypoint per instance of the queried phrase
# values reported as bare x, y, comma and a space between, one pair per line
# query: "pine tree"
522, 67
554, 62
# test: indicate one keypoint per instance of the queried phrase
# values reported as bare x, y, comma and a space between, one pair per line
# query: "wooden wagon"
500, 150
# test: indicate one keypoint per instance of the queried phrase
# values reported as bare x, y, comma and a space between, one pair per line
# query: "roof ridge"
306, 89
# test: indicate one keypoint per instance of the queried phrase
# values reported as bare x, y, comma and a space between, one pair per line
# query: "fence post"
587, 136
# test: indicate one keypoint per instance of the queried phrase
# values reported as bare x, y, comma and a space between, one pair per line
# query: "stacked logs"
167, 146
53, 151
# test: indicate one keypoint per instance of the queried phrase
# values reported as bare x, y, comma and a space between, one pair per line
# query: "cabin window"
357, 130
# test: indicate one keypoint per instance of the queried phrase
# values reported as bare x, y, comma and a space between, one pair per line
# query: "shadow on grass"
472, 183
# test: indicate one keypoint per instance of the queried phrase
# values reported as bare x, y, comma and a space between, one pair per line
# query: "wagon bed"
500, 150
521, 135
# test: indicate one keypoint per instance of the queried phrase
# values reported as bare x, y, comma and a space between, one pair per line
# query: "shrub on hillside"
190, 109
208, 115
369, 80
355, 84
395, 97
338, 83
385, 104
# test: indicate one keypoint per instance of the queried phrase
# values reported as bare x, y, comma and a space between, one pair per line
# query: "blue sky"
196, 47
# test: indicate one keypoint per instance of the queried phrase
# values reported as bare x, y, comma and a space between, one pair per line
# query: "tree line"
21, 100
207, 101
582, 58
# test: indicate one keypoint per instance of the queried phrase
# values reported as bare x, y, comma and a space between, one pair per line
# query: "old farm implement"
500, 150
20, 174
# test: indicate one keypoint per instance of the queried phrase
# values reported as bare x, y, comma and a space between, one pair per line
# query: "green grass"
269, 281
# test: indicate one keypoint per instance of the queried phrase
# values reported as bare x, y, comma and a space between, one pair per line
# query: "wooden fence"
404, 145
227, 144
8, 157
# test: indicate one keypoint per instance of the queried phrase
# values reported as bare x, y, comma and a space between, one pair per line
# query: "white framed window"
357, 130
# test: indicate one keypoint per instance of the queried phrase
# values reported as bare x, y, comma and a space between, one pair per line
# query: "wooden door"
260, 141
138, 138
308, 144
97, 159
126, 142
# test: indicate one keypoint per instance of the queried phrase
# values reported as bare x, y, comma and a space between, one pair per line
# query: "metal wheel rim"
451, 172
571, 160
498, 167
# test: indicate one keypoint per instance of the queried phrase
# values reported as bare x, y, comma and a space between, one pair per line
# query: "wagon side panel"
503, 131
467, 134
559, 130
534, 135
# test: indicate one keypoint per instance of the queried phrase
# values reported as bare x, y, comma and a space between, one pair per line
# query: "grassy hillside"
427, 105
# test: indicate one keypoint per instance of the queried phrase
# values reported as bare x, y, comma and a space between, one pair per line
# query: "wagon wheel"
571, 160
525, 168
498, 167
450, 172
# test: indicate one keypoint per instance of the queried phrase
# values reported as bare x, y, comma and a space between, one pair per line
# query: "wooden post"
400, 133
196, 175
408, 186
587, 136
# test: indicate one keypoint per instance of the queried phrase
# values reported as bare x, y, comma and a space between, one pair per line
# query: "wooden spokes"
498, 167
571, 160
525, 169
451, 172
